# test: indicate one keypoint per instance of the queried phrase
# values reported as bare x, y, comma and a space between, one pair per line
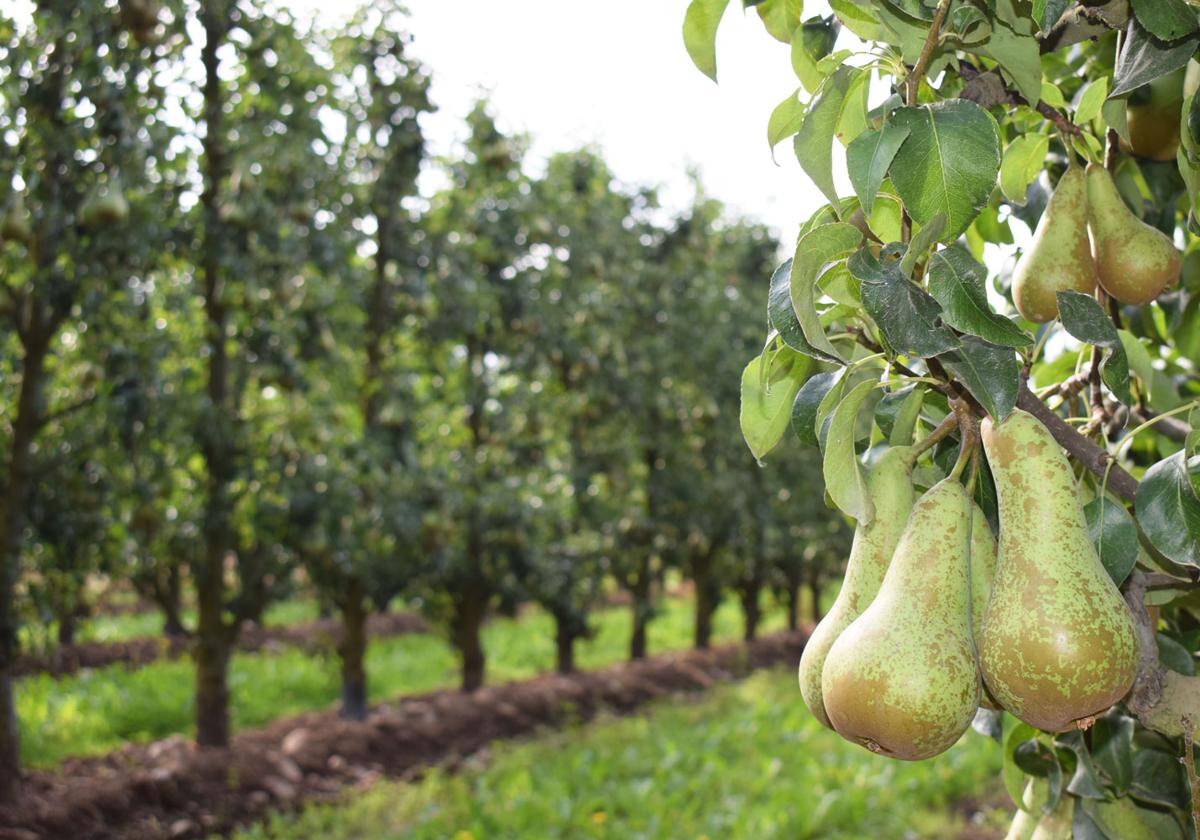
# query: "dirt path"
172, 789
136, 653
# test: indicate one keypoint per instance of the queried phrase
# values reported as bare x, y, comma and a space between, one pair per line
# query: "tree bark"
564, 643
67, 625
793, 605
641, 615
814, 590
352, 649
170, 602
215, 637
707, 596
13, 515
751, 609
469, 611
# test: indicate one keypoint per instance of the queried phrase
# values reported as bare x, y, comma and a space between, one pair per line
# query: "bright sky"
615, 74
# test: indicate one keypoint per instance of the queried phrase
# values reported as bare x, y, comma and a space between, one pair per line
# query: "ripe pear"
890, 487
1152, 114
983, 572
1060, 256
105, 207
1058, 642
902, 679
1134, 261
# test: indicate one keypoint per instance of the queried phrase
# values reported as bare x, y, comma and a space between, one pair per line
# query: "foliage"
949, 112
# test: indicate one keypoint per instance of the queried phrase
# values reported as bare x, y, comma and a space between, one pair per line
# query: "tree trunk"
170, 602
793, 605
469, 611
564, 642
751, 609
707, 598
641, 615
67, 624
215, 638
12, 524
352, 650
814, 589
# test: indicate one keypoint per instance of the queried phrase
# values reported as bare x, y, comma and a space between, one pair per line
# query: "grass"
97, 711
744, 761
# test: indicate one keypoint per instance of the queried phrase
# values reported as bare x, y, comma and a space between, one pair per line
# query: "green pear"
889, 485
1057, 824
902, 679
1060, 256
105, 207
983, 572
1058, 643
1134, 261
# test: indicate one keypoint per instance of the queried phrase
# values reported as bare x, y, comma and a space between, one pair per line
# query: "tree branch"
990, 90
913, 82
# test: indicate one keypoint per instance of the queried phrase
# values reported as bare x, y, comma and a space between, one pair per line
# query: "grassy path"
745, 761
97, 711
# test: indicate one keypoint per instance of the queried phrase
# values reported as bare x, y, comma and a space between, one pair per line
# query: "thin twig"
1062, 122
937, 435
913, 82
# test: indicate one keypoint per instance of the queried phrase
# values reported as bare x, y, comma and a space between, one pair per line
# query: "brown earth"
136, 653
173, 789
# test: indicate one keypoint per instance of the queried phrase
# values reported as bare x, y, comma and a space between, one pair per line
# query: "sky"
615, 75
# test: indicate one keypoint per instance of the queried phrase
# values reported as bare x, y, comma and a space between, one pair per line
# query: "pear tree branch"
913, 82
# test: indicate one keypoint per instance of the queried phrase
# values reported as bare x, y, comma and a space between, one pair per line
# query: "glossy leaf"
814, 142
844, 478
948, 164
814, 252
1145, 58
867, 159
807, 404
769, 387
1112, 532
1168, 509
1024, 160
989, 371
956, 281
1085, 319
785, 120
910, 319
1166, 20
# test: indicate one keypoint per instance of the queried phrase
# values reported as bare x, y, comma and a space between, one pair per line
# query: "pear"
1152, 114
1060, 256
105, 207
889, 485
1058, 643
983, 572
902, 679
1134, 261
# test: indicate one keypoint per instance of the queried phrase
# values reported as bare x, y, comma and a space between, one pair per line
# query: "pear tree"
990, 331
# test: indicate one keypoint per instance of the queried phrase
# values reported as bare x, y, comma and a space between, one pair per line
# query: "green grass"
743, 761
149, 624
96, 711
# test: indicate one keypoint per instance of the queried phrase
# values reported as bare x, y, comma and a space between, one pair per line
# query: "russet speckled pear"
1058, 643
983, 572
902, 679
1134, 261
889, 485
1060, 256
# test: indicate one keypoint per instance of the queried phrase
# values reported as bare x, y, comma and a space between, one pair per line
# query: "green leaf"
1052, 96
1015, 733
1112, 532
905, 423
700, 24
922, 242
948, 164
1168, 509
780, 17
1174, 655
1145, 58
808, 402
989, 371
1122, 819
769, 387
1139, 360
1024, 160
1085, 782
1159, 777
1021, 58
785, 120
810, 43
1112, 749
814, 252
868, 158
956, 281
1166, 20
782, 315
910, 319
858, 18
1116, 117
1046, 13
814, 142
1085, 319
1091, 100
844, 479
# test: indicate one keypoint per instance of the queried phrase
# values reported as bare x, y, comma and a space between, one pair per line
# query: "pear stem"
937, 435
967, 432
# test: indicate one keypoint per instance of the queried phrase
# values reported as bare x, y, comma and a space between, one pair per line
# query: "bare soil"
174, 789
323, 634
